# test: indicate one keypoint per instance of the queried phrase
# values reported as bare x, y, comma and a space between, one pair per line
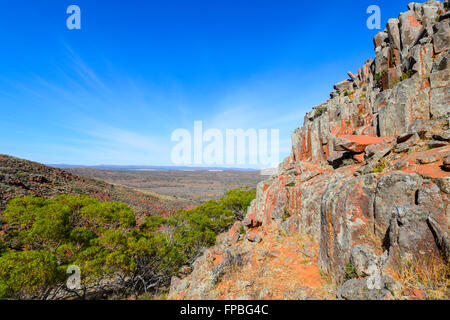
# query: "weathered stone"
347, 219
410, 28
443, 136
364, 259
405, 146
437, 144
394, 33
429, 13
380, 39
379, 150
441, 37
382, 60
391, 77
343, 86
408, 101
442, 236
446, 163
393, 190
444, 184
428, 159
356, 144
440, 93
423, 59
357, 289
254, 236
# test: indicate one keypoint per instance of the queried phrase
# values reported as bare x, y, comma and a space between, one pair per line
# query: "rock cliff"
365, 188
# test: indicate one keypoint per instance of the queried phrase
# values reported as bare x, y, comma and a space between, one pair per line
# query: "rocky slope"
365, 189
20, 178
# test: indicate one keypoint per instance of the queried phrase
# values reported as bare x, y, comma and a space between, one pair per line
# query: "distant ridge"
156, 168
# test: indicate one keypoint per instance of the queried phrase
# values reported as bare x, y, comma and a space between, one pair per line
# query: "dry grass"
431, 275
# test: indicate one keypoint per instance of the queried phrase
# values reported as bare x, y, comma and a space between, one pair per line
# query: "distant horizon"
143, 167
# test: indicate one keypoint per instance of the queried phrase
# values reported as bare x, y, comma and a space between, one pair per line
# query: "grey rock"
441, 37
437, 144
357, 289
444, 184
443, 136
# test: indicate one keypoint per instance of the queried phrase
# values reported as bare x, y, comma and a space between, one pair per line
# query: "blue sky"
114, 91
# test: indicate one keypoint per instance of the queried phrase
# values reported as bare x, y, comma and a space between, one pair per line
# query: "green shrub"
319, 111
406, 75
380, 166
379, 75
286, 214
28, 274
351, 271
102, 239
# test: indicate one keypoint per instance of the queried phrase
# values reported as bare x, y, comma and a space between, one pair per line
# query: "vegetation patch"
116, 257
380, 166
351, 271
319, 111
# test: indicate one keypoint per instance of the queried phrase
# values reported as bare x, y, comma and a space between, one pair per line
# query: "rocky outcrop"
367, 179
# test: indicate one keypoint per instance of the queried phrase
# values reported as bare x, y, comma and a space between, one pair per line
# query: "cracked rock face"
368, 175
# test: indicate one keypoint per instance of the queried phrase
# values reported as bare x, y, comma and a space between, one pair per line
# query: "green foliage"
26, 274
347, 93
380, 166
286, 214
406, 75
351, 271
46, 235
238, 200
393, 83
3, 247
292, 184
319, 111
379, 75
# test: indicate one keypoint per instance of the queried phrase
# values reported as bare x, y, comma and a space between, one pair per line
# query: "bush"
379, 75
406, 75
102, 239
28, 274
319, 111
351, 271
380, 166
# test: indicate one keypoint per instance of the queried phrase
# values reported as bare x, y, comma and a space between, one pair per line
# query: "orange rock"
355, 143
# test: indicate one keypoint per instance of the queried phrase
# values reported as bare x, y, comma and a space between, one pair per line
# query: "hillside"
361, 207
20, 178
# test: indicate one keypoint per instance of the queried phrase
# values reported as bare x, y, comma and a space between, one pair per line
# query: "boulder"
380, 39
444, 184
410, 28
343, 86
393, 189
356, 144
443, 136
394, 33
428, 159
358, 289
423, 59
441, 37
